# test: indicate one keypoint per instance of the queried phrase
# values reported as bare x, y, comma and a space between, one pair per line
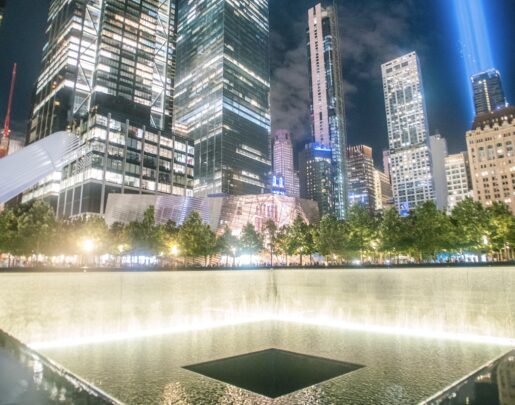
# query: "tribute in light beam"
473, 34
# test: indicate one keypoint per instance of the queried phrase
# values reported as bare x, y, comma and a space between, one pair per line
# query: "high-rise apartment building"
410, 155
326, 96
222, 93
490, 146
438, 146
383, 190
459, 183
362, 187
488, 92
107, 74
283, 162
315, 164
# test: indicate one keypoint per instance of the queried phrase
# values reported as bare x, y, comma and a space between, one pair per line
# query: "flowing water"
415, 331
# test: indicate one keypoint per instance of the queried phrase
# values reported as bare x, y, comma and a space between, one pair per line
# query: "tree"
470, 226
329, 240
431, 230
362, 228
271, 234
196, 239
300, 238
284, 242
251, 242
145, 236
8, 233
501, 229
394, 233
36, 228
228, 244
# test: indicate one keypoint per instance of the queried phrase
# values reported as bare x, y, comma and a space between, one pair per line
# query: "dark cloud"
372, 32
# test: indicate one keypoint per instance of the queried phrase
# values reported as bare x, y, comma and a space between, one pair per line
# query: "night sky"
373, 31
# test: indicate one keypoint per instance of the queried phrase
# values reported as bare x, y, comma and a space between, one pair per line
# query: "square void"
273, 372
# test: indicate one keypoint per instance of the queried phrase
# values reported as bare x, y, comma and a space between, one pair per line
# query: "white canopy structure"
25, 168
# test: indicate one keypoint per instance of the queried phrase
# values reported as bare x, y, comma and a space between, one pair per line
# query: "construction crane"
4, 143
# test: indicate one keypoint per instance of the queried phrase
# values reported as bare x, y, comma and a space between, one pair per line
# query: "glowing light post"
121, 249
233, 250
175, 252
87, 246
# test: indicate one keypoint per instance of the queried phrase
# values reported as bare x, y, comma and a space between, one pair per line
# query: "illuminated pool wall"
53, 310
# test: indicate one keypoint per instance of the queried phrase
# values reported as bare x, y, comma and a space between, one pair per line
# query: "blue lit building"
326, 98
315, 167
362, 187
222, 93
488, 92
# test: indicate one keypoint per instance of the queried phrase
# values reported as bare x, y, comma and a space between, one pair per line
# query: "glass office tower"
108, 75
362, 187
488, 92
222, 93
326, 97
406, 116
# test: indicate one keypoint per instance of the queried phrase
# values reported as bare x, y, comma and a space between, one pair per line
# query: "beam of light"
397, 331
476, 49
145, 333
282, 317
473, 34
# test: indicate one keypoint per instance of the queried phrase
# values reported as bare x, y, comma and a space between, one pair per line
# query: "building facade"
283, 162
222, 93
459, 182
315, 168
439, 152
488, 92
490, 146
219, 212
326, 96
406, 116
383, 190
361, 177
108, 75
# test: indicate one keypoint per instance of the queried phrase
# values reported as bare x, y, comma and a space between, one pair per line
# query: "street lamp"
87, 246
233, 250
174, 250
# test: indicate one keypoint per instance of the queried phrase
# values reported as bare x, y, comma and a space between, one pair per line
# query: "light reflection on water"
398, 370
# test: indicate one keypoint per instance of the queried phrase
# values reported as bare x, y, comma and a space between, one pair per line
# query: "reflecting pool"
414, 331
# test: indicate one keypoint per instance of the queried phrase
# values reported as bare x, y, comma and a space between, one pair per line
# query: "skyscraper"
222, 93
459, 182
283, 162
383, 190
362, 187
326, 97
107, 74
488, 92
410, 156
315, 164
438, 146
